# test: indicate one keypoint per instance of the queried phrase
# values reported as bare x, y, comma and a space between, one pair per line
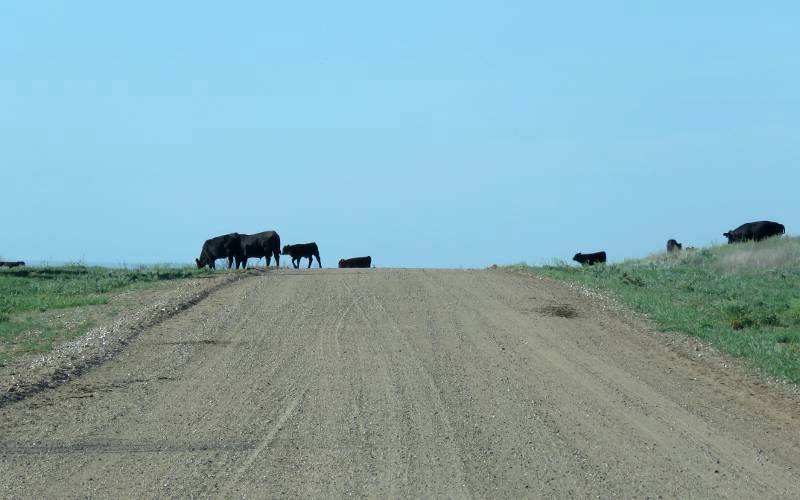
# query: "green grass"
744, 299
31, 297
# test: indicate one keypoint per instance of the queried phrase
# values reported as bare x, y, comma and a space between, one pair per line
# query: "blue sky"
426, 134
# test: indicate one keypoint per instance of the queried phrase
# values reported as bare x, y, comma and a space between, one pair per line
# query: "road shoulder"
141, 309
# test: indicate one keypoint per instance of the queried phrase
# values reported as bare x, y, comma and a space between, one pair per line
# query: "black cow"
673, 246
12, 264
265, 244
356, 262
300, 251
756, 231
590, 258
227, 246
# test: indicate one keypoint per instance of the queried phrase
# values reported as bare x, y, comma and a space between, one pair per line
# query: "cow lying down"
356, 262
590, 258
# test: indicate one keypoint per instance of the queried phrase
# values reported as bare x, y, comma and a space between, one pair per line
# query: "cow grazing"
302, 250
673, 246
265, 244
755, 231
227, 246
590, 258
356, 262
17, 263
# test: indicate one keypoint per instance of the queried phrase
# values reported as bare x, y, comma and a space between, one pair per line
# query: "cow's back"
216, 246
219, 247
260, 244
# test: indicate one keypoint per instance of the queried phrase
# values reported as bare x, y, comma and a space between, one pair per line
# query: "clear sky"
425, 134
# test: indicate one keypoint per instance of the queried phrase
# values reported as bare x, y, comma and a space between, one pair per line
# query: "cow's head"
341, 262
731, 237
285, 250
200, 263
578, 257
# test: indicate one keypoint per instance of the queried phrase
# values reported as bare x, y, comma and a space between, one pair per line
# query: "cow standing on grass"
673, 246
590, 258
227, 246
302, 250
755, 231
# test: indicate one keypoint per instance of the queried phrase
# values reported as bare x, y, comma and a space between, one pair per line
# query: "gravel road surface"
402, 383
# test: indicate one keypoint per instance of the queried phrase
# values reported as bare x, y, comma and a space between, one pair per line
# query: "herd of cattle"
755, 231
237, 248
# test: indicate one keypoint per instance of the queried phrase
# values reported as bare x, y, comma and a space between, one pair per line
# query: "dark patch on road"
559, 310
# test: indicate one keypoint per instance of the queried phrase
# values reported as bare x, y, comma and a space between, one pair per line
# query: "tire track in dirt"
265, 442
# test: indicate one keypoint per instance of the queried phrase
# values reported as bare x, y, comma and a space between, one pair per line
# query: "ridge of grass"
31, 296
743, 299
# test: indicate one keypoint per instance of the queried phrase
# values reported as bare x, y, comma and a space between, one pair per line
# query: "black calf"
302, 250
590, 258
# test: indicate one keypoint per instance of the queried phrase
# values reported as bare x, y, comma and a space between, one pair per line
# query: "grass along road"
42, 306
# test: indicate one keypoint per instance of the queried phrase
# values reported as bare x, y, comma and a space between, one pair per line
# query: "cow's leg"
277, 255
269, 259
296, 264
319, 262
310, 260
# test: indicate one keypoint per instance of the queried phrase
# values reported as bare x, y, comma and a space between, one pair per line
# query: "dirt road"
402, 383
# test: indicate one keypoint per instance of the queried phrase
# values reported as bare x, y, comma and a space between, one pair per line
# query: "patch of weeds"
632, 280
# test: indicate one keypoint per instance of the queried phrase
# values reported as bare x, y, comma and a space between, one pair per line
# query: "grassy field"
40, 306
744, 299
